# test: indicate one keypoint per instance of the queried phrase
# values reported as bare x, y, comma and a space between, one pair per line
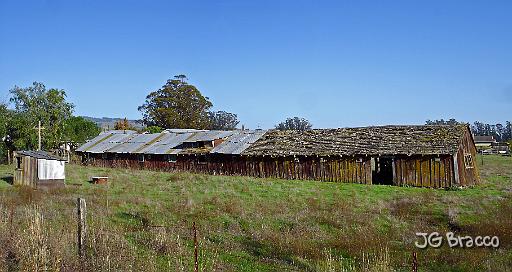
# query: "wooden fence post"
196, 263
82, 226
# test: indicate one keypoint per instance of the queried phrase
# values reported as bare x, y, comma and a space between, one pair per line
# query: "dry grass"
30, 240
142, 221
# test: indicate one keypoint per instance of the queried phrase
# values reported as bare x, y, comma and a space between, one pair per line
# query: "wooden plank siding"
468, 174
434, 171
335, 169
27, 174
423, 171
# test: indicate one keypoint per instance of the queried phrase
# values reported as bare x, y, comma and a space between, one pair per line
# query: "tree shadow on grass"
8, 179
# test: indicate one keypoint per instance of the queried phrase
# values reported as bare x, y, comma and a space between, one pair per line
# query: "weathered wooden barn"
423, 156
39, 169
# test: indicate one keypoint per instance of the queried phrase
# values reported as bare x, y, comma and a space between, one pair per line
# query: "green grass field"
142, 220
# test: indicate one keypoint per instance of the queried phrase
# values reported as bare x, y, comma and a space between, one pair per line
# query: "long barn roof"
376, 140
169, 142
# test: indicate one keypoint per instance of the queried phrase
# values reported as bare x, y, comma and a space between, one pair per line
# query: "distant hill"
108, 122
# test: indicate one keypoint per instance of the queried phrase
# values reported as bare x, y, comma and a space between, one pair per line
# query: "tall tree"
507, 131
78, 130
295, 123
479, 128
36, 103
499, 132
222, 120
176, 105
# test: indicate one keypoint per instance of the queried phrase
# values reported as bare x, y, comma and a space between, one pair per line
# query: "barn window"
468, 160
104, 156
141, 158
172, 158
359, 160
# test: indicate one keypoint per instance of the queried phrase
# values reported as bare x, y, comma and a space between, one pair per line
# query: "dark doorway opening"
382, 171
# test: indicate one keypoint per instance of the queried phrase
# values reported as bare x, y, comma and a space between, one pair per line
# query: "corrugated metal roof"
118, 132
174, 151
104, 136
205, 136
135, 143
110, 142
238, 142
183, 130
92, 142
127, 147
167, 141
165, 144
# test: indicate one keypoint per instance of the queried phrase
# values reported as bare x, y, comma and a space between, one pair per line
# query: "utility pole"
39, 128
39, 134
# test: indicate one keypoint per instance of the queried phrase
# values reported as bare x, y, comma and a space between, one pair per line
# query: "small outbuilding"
484, 142
39, 169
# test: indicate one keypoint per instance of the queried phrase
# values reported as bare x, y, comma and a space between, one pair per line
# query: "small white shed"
39, 169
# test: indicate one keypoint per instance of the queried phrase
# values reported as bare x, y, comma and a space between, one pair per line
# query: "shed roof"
39, 155
484, 139
375, 140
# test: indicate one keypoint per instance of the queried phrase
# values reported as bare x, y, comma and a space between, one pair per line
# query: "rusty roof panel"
127, 147
110, 142
239, 142
93, 141
104, 135
165, 144
167, 141
134, 144
205, 136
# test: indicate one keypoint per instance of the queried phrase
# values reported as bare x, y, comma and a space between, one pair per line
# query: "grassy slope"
265, 224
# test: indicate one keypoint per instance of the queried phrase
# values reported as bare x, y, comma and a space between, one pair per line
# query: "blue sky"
336, 63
